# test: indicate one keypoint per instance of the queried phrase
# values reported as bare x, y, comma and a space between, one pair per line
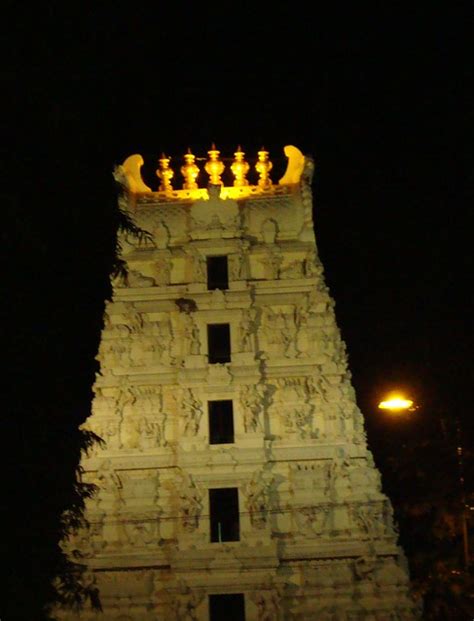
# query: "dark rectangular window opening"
218, 342
224, 514
221, 422
227, 607
217, 273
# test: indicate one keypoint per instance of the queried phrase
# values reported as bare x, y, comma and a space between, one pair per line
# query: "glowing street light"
396, 403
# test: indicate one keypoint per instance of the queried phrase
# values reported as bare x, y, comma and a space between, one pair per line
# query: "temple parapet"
210, 173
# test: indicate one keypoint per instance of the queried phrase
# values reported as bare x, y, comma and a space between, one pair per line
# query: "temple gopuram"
235, 482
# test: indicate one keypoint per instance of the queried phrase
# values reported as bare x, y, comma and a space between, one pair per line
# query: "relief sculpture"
191, 503
191, 336
252, 398
192, 409
257, 494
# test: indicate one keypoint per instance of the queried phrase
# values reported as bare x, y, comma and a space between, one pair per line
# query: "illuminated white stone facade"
316, 539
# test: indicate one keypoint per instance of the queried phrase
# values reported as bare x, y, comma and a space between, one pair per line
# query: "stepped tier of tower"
235, 471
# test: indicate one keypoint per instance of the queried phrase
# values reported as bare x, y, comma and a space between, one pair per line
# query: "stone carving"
272, 261
269, 231
186, 601
294, 269
199, 267
257, 500
150, 432
338, 477
161, 235
364, 567
303, 342
191, 503
215, 213
312, 521
138, 280
192, 409
126, 399
103, 405
247, 330
162, 268
191, 336
317, 387
109, 431
91, 540
150, 350
303, 420
279, 332
113, 353
312, 265
306, 193
252, 398
238, 268
133, 319
292, 389
267, 603
142, 530
110, 487
370, 519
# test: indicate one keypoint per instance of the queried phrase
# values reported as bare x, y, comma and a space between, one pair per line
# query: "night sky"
380, 100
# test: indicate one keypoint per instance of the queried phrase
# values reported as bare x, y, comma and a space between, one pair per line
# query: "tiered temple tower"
235, 482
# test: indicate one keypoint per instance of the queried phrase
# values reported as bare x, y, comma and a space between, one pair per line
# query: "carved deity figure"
302, 340
238, 267
364, 567
317, 388
303, 420
199, 268
289, 336
138, 280
338, 476
161, 235
253, 401
311, 521
273, 327
126, 400
162, 269
311, 265
113, 354
191, 335
185, 603
267, 603
110, 486
141, 531
272, 264
294, 269
109, 431
150, 432
132, 318
246, 331
370, 519
191, 503
257, 500
192, 409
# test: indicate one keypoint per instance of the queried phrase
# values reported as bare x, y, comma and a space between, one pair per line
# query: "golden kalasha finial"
190, 171
165, 174
263, 167
214, 167
239, 168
